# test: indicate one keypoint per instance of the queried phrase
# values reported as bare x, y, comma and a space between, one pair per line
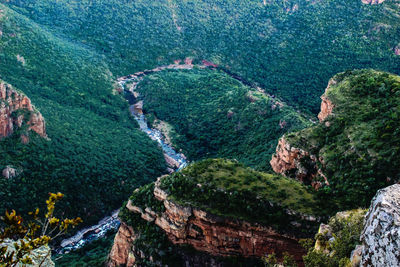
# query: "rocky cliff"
289, 161
374, 238
295, 162
121, 253
17, 112
326, 104
381, 234
217, 236
352, 144
187, 225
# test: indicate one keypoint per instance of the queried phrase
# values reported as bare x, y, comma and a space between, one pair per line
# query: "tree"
31, 235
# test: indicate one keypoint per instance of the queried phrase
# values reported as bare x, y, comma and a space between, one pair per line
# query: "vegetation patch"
229, 189
359, 142
214, 115
95, 153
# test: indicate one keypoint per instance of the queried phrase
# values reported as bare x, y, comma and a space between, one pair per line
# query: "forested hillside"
291, 48
253, 70
214, 115
94, 147
355, 147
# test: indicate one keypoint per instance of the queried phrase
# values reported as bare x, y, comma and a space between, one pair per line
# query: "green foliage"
30, 235
229, 189
359, 145
288, 260
95, 154
94, 254
346, 230
214, 115
60, 54
291, 48
143, 197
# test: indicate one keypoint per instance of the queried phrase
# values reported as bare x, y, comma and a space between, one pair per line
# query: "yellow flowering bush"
32, 234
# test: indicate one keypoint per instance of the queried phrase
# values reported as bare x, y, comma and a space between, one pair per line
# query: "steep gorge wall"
15, 110
297, 163
205, 232
288, 161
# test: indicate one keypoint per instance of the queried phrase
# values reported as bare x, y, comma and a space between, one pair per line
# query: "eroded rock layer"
216, 236
297, 163
121, 254
288, 161
16, 111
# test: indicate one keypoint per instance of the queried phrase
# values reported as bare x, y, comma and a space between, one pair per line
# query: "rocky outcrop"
381, 234
121, 252
326, 104
372, 2
16, 110
326, 108
10, 172
397, 50
205, 232
138, 108
297, 163
289, 161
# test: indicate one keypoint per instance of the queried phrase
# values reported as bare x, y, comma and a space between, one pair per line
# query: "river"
108, 223
94, 232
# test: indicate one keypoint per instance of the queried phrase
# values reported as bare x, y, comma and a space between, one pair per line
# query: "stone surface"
171, 162
326, 104
287, 161
40, 257
355, 257
9, 172
12, 107
326, 231
381, 234
138, 107
121, 252
215, 235
397, 50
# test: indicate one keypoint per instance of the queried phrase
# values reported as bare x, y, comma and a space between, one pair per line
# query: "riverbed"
94, 232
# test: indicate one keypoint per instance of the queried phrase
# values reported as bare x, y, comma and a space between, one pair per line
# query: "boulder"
381, 234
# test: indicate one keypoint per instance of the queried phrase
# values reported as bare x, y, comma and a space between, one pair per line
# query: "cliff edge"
353, 150
18, 113
188, 215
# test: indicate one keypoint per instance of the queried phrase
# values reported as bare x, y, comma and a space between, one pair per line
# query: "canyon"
204, 231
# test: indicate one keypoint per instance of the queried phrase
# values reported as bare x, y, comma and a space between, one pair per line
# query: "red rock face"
215, 235
326, 105
222, 237
326, 108
11, 101
120, 254
287, 160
